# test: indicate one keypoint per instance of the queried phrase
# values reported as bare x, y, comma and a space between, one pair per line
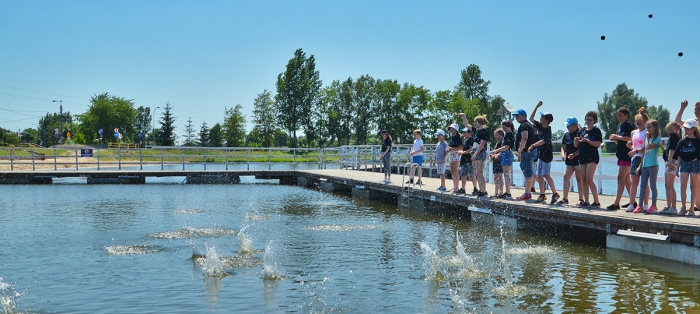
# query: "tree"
409, 112
297, 91
362, 119
386, 94
167, 127
216, 136
108, 112
189, 134
662, 115
48, 124
439, 114
234, 127
143, 120
472, 85
30, 135
607, 109
264, 117
328, 118
346, 108
204, 135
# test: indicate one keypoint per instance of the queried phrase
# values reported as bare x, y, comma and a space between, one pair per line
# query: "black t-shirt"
468, 143
624, 130
480, 135
589, 152
455, 140
688, 149
386, 143
509, 140
673, 140
525, 126
544, 152
568, 143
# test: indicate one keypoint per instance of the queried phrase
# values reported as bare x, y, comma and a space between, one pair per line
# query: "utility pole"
60, 139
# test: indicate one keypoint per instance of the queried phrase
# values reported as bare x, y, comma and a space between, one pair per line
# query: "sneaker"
555, 198
623, 206
682, 211
475, 192
505, 196
646, 206
668, 211
583, 203
419, 182
409, 181
651, 210
483, 194
461, 191
442, 189
691, 212
630, 208
595, 204
532, 190
387, 181
525, 197
613, 207
563, 201
638, 210
541, 199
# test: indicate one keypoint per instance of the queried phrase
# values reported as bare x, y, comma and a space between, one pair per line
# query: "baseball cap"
520, 112
454, 126
440, 132
690, 124
547, 116
384, 132
467, 130
571, 121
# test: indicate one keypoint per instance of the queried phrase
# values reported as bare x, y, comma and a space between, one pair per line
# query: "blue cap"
571, 121
468, 130
440, 132
547, 116
520, 111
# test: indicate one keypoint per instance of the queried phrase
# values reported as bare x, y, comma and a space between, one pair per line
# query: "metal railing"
162, 158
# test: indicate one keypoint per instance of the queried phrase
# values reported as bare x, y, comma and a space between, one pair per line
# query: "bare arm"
523, 140
465, 121
679, 115
532, 115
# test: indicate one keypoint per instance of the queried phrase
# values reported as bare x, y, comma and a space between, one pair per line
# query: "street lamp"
153, 126
60, 139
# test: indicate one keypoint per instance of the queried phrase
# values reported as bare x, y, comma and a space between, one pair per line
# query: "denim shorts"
441, 169
526, 164
690, 166
636, 161
481, 156
466, 170
418, 160
543, 168
507, 158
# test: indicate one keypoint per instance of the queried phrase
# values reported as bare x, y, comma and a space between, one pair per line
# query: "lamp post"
60, 139
153, 125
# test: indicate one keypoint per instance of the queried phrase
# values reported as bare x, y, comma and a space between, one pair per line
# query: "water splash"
7, 299
132, 249
189, 233
506, 287
270, 271
211, 264
431, 263
245, 245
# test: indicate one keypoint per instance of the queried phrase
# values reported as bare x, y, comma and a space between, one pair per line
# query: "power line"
36, 91
16, 112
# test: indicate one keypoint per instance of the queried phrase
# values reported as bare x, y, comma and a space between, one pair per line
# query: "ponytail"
642, 115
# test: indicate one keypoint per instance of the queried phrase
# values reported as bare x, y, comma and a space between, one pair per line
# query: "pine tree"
167, 127
189, 134
204, 135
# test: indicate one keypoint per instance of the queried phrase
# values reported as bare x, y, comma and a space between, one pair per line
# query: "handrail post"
12, 155
269, 158
141, 158
205, 159
119, 155
247, 153
227, 159
161, 159
33, 167
54, 160
183, 159
76, 160
98, 159
294, 160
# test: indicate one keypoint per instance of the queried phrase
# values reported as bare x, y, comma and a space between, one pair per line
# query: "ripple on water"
189, 232
187, 211
530, 250
510, 290
133, 249
334, 227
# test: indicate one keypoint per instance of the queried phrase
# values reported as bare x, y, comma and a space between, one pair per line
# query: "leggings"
649, 175
386, 161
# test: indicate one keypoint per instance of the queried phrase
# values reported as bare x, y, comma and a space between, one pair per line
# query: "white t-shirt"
638, 138
417, 145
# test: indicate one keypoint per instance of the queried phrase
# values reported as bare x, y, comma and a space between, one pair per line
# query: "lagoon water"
265, 248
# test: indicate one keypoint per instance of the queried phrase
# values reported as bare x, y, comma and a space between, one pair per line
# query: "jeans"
649, 175
386, 161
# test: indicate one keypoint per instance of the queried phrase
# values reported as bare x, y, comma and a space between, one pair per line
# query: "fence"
158, 158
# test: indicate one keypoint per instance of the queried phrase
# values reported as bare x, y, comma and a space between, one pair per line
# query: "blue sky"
202, 56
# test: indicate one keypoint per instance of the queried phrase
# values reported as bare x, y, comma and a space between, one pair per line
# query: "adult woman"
506, 156
453, 148
636, 146
589, 140
386, 156
621, 137
569, 154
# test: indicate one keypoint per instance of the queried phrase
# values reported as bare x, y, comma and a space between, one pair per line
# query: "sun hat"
690, 124
467, 130
454, 126
571, 121
439, 132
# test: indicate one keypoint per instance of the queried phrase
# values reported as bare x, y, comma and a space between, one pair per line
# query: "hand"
613, 137
563, 158
629, 144
684, 104
577, 139
632, 153
461, 115
671, 167
520, 155
539, 104
571, 157
529, 150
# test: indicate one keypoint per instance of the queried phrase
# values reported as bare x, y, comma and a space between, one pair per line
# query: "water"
266, 248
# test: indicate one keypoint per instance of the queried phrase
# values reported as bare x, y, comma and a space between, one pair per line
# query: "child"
621, 137
386, 156
481, 138
650, 165
636, 146
440, 156
466, 170
569, 154
689, 152
671, 159
417, 156
454, 148
544, 154
499, 135
589, 140
507, 155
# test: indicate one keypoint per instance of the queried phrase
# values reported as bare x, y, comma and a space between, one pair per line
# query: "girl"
621, 137
499, 135
386, 156
672, 128
569, 154
481, 138
650, 165
454, 146
688, 150
589, 140
506, 156
636, 146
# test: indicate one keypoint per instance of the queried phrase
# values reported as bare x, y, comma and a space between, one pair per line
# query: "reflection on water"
94, 249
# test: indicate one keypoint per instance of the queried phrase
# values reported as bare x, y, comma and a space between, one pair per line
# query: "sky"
204, 56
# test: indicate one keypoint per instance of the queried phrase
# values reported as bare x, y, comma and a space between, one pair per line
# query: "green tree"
143, 120
346, 108
265, 117
234, 127
216, 136
386, 94
48, 123
607, 109
329, 104
439, 114
189, 137
662, 115
167, 127
204, 135
297, 91
30, 135
409, 113
107, 112
362, 118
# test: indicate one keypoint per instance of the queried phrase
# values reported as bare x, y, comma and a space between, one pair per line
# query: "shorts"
497, 168
454, 156
526, 164
507, 158
595, 159
480, 157
418, 160
690, 166
543, 168
636, 161
466, 170
623, 163
441, 169
571, 162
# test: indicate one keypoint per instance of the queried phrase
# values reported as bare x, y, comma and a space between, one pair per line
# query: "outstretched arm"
679, 115
532, 115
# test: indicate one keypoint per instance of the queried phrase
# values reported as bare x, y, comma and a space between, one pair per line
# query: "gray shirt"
441, 147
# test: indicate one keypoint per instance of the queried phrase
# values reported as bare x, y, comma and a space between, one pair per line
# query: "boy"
440, 156
466, 170
417, 156
544, 154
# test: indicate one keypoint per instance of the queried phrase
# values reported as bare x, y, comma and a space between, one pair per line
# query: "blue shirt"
651, 156
440, 149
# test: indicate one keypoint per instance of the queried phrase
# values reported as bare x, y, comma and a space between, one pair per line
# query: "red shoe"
525, 197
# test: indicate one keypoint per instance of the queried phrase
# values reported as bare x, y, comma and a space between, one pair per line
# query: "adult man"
524, 138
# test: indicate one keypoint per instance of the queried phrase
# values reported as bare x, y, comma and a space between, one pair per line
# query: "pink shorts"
622, 163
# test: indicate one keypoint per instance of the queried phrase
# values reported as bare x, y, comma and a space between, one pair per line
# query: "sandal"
563, 201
